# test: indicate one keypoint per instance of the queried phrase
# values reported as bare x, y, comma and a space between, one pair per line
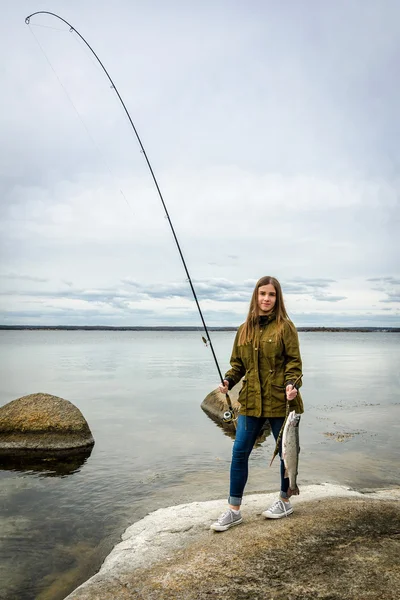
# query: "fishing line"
228, 415
48, 27
98, 69
89, 56
97, 147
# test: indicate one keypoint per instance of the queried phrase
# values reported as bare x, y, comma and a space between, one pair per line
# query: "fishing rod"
229, 414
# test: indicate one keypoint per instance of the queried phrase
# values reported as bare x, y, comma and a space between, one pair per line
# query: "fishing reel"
228, 416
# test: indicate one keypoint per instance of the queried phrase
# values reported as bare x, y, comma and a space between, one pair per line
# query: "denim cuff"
234, 501
284, 494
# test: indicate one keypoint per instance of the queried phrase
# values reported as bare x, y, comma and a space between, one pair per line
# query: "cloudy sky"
273, 130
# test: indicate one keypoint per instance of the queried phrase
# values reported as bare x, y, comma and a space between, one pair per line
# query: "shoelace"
278, 504
225, 514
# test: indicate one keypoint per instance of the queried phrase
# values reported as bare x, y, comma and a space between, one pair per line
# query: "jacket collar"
265, 319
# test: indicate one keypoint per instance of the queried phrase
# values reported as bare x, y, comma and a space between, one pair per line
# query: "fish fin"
272, 459
294, 492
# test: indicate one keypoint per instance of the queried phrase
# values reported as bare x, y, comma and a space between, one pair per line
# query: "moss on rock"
39, 422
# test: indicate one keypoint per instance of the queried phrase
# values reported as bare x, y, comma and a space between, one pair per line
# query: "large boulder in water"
42, 423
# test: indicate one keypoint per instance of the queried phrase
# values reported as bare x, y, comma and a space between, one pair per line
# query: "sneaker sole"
268, 515
225, 527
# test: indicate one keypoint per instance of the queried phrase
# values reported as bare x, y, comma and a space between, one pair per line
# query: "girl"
266, 354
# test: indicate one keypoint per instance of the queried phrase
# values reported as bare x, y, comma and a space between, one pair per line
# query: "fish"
291, 451
278, 441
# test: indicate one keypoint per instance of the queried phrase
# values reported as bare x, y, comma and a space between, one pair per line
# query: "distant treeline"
177, 328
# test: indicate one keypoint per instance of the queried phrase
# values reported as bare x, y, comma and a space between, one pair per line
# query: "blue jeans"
247, 431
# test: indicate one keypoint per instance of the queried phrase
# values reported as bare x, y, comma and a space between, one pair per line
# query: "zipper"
245, 405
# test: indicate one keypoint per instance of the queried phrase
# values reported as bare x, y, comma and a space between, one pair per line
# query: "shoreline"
160, 538
186, 328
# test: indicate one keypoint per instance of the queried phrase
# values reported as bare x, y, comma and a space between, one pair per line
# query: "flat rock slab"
341, 544
42, 423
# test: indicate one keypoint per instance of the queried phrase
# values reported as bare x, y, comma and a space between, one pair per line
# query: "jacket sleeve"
237, 370
293, 364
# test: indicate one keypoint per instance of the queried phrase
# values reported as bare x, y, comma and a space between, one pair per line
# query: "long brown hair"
251, 323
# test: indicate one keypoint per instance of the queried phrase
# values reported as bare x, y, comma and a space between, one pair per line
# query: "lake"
140, 392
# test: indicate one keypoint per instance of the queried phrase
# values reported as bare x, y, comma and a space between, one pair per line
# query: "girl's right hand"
224, 388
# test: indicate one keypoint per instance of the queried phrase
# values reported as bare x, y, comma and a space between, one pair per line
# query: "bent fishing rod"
229, 414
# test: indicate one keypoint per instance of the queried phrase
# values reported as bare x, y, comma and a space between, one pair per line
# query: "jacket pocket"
246, 353
279, 392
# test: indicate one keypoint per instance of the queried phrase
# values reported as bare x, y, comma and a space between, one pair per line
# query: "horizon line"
191, 327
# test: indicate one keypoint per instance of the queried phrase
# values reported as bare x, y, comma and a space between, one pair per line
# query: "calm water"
141, 393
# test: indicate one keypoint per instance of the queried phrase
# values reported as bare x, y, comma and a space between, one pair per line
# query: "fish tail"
293, 492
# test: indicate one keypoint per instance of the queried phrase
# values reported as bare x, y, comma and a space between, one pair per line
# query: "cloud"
276, 151
389, 285
22, 277
316, 288
173, 303
220, 290
326, 298
392, 297
214, 289
390, 280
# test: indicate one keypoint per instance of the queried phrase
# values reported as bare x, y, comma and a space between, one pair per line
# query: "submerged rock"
42, 423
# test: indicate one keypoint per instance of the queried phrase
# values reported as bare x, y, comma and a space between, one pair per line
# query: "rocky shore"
338, 544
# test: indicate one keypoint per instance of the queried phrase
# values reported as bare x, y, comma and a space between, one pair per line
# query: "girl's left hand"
291, 392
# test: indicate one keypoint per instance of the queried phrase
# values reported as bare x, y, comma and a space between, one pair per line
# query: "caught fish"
291, 451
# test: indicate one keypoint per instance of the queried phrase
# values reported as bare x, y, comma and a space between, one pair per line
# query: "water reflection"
154, 447
47, 465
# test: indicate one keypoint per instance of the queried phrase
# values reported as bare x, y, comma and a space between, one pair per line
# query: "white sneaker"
278, 510
226, 520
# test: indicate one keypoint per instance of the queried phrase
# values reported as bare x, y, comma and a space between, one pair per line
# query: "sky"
272, 129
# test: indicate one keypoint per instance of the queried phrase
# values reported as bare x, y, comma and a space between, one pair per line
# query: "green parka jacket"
267, 367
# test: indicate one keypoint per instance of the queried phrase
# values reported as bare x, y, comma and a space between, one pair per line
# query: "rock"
215, 404
40, 423
337, 544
